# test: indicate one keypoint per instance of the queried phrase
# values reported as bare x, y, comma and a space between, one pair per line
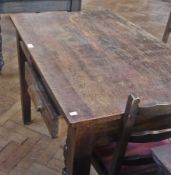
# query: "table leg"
64, 171
25, 98
1, 57
78, 151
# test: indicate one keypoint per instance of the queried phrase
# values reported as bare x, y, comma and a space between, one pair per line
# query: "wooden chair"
142, 128
167, 30
18, 6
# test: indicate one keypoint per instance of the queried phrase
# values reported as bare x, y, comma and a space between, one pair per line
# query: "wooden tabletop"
91, 61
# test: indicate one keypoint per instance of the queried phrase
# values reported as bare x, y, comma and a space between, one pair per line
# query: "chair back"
136, 126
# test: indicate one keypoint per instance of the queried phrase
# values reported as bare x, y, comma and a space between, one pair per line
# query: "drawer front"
41, 100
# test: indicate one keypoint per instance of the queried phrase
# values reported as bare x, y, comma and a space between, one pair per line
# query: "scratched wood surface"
91, 61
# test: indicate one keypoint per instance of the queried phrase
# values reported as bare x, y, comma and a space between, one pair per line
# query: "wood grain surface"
91, 61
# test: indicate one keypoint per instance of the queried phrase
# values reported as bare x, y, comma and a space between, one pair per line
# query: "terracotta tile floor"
29, 150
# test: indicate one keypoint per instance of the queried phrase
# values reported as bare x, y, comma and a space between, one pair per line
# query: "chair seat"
104, 154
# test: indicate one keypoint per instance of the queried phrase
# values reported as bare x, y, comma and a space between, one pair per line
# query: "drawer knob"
39, 107
34, 93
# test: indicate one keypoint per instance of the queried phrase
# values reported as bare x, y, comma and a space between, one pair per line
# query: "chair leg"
167, 30
1, 62
1, 57
160, 171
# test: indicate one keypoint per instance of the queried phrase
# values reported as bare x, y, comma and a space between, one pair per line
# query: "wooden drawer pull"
34, 93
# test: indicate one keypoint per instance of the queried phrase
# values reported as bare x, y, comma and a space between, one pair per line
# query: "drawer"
43, 103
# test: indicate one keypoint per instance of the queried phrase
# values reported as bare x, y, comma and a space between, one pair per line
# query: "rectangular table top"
92, 60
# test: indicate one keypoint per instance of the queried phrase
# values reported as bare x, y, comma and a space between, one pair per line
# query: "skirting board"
17, 6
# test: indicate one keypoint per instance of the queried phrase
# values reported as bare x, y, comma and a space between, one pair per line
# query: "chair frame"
167, 30
132, 114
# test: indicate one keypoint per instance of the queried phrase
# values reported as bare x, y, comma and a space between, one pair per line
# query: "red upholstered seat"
104, 154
